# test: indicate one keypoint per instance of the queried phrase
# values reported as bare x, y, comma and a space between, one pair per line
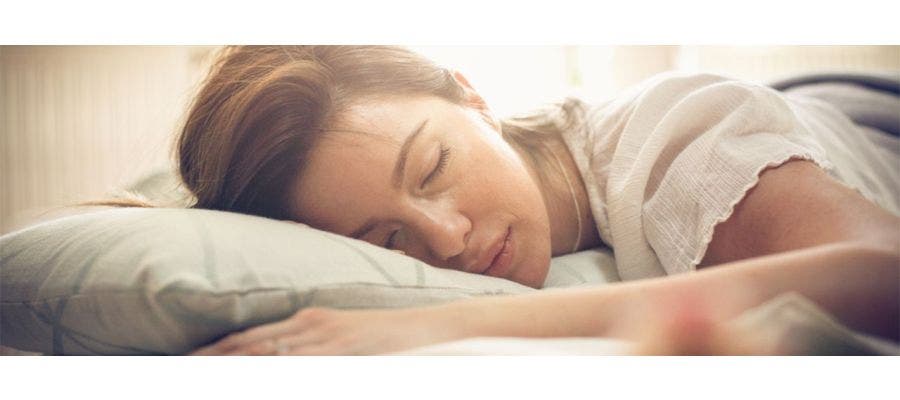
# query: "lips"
500, 256
494, 259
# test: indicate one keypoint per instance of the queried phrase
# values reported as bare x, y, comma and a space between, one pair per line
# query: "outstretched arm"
867, 299
798, 230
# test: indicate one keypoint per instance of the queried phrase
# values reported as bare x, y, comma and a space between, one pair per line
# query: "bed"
167, 280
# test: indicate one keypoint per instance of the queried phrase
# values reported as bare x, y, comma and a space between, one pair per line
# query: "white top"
669, 159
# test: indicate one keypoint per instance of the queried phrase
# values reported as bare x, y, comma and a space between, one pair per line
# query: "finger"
213, 349
284, 345
268, 347
315, 350
257, 334
210, 350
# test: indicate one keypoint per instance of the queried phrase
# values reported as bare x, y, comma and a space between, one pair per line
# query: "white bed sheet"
512, 346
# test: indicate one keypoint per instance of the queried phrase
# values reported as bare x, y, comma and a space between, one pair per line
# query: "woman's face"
432, 179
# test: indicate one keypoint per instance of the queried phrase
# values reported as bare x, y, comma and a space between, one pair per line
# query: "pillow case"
166, 280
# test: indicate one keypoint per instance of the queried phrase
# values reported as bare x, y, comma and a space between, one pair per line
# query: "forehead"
388, 116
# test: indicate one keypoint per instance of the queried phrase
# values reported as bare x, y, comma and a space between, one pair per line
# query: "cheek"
523, 194
504, 182
503, 171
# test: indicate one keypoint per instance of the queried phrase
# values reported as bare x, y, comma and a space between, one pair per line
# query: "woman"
680, 173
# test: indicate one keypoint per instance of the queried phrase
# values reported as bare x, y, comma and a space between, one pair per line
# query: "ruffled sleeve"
672, 158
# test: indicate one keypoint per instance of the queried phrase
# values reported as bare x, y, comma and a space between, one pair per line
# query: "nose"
444, 229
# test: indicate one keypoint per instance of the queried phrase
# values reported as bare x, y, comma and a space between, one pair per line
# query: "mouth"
502, 259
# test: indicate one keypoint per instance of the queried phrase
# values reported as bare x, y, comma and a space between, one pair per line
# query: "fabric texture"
869, 100
165, 281
668, 160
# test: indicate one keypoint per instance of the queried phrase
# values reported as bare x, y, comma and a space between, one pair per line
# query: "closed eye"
439, 168
391, 240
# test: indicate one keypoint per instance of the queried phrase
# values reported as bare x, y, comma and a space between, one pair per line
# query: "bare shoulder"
798, 205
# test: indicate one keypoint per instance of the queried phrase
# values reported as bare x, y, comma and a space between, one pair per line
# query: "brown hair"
262, 108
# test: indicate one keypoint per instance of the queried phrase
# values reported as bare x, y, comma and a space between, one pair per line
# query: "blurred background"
79, 123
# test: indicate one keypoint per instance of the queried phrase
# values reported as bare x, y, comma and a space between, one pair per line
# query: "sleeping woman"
714, 194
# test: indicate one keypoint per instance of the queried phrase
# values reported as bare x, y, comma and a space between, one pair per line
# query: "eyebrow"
398, 175
400, 166
359, 233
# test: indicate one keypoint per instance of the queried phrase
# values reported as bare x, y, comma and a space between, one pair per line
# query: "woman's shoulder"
669, 84
672, 94
657, 96
676, 78
672, 86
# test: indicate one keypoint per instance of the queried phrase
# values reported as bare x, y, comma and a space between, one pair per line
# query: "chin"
534, 266
533, 274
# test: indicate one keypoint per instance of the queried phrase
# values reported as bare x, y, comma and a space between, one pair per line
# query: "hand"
694, 334
697, 325
321, 331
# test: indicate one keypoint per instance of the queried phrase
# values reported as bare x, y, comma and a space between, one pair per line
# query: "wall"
78, 123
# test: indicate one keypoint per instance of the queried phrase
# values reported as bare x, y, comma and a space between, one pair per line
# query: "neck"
572, 226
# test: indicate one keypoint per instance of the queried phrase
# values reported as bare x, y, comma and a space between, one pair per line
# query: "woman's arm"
866, 299
798, 205
797, 230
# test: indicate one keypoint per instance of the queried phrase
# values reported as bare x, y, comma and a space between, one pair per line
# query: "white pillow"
165, 280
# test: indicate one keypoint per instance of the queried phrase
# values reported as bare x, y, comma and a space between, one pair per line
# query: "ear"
475, 101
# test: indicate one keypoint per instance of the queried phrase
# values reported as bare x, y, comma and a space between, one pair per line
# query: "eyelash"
443, 159
442, 163
390, 241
